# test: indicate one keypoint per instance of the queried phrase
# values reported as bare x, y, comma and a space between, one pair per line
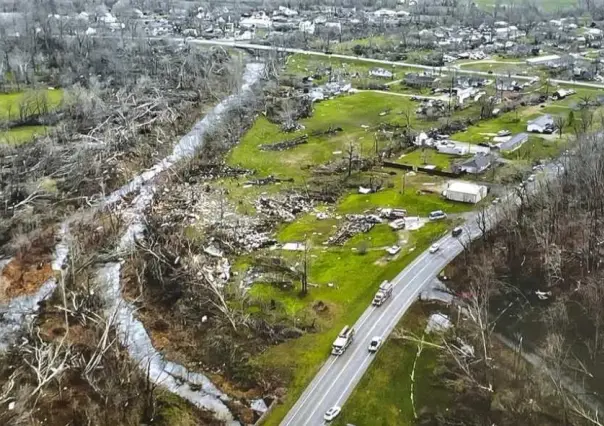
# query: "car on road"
375, 344
437, 215
531, 178
457, 231
434, 248
332, 413
502, 133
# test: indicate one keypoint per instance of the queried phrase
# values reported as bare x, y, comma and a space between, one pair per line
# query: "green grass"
499, 67
379, 237
348, 112
429, 157
537, 148
306, 228
486, 129
21, 135
174, 411
383, 396
355, 278
356, 71
10, 102
415, 204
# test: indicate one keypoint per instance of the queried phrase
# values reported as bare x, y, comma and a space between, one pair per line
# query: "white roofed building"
465, 192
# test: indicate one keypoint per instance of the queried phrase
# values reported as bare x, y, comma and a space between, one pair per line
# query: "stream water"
194, 387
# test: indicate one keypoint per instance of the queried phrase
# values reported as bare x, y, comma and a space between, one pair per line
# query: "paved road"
339, 375
445, 69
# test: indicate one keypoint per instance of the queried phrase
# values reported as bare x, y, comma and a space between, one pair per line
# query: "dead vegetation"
536, 280
109, 128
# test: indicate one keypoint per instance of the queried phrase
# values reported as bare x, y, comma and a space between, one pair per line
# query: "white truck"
343, 340
383, 293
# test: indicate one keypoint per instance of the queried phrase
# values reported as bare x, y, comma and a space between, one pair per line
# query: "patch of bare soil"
23, 277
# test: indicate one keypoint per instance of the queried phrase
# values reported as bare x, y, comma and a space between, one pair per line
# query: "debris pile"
267, 181
285, 145
284, 207
329, 132
201, 172
208, 211
355, 224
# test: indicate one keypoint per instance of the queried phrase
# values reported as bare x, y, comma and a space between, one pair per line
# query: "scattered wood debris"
285, 145
355, 224
284, 207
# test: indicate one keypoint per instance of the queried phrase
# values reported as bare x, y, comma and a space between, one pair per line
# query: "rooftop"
464, 187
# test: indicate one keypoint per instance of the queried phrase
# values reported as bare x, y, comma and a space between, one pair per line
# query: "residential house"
543, 124
381, 73
451, 148
514, 142
547, 60
476, 165
467, 81
414, 79
562, 93
461, 95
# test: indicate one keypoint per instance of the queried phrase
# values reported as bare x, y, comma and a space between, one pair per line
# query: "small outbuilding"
465, 192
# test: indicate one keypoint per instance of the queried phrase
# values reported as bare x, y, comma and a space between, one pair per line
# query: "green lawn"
486, 129
429, 157
21, 135
415, 204
10, 105
537, 148
499, 67
356, 71
348, 112
383, 396
11, 102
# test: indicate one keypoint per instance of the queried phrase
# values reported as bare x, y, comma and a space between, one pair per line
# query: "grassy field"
499, 67
349, 113
357, 72
383, 396
10, 102
537, 148
10, 105
486, 129
343, 278
429, 157
21, 134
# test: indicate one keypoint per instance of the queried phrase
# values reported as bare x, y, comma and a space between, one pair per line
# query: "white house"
451, 148
465, 192
544, 60
540, 124
307, 27
464, 94
256, 21
380, 72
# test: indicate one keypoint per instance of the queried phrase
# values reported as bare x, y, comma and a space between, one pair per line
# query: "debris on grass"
285, 145
438, 323
284, 207
355, 224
